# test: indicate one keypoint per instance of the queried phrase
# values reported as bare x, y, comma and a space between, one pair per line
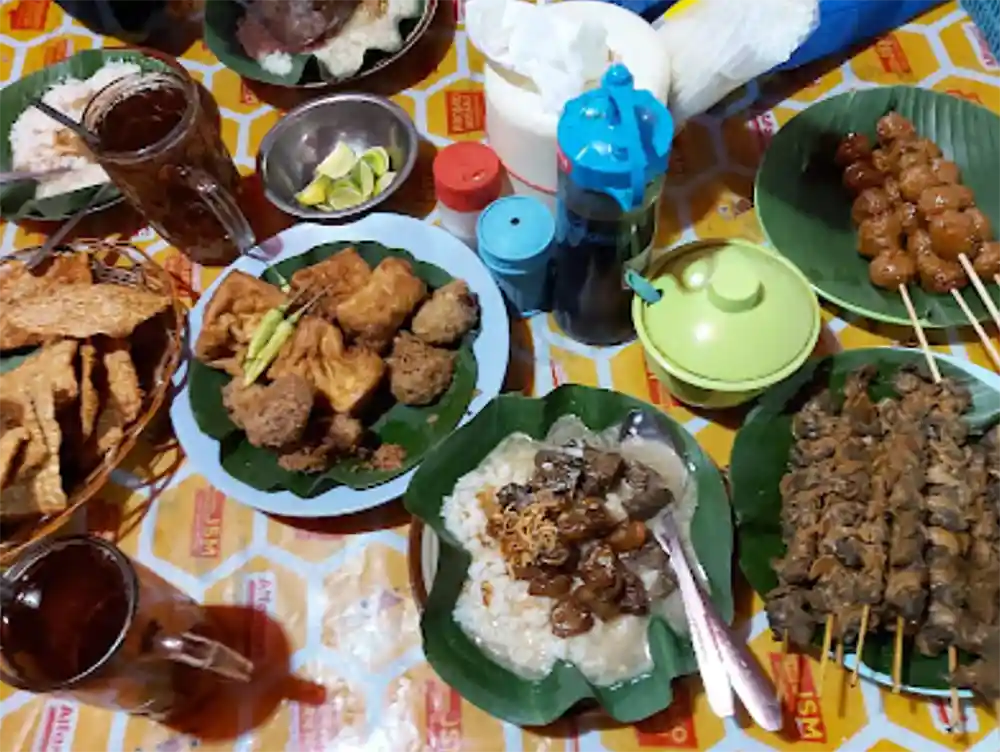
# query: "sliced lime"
378, 159
364, 179
344, 197
384, 181
338, 162
315, 192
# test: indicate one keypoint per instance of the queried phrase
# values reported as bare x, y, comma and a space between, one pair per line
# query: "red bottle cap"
467, 176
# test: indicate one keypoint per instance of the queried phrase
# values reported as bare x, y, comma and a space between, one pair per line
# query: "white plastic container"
523, 134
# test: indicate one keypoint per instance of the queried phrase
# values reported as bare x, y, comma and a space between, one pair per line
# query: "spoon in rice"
88, 138
725, 663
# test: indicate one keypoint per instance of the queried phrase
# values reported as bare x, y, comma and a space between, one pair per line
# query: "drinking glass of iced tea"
81, 619
165, 153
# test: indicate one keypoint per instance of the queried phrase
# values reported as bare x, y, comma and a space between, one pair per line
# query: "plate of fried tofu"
328, 361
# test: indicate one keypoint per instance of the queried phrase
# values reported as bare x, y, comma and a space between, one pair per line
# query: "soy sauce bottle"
614, 142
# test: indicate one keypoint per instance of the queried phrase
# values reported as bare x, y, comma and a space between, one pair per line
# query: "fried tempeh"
340, 276
375, 313
83, 311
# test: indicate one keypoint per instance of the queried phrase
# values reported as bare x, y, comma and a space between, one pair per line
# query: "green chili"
264, 331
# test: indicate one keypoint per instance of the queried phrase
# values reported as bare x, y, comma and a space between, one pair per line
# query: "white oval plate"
426, 243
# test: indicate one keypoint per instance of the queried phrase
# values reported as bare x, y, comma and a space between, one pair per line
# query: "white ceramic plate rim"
423, 241
430, 550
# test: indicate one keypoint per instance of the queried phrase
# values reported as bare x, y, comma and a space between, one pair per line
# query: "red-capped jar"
467, 179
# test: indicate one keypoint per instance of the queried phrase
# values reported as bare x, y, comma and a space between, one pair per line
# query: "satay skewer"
824, 655
865, 613
919, 331
977, 282
897, 656
956, 708
983, 336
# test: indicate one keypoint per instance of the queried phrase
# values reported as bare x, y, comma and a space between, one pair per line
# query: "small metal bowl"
299, 141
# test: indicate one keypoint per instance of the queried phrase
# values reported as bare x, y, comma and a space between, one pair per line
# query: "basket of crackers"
90, 337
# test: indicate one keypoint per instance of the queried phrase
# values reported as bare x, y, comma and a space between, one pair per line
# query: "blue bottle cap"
615, 139
515, 232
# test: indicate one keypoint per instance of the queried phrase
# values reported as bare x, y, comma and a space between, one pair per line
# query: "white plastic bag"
716, 46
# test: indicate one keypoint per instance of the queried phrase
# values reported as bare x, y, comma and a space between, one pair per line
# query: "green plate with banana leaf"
416, 429
761, 456
806, 213
457, 659
17, 200
223, 17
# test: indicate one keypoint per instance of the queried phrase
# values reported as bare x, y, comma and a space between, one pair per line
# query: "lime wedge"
364, 179
378, 159
314, 193
384, 181
344, 196
338, 162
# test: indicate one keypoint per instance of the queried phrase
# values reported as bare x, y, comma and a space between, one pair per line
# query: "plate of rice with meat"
31, 141
327, 362
547, 589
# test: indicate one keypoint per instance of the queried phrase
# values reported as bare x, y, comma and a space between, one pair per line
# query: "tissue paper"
561, 57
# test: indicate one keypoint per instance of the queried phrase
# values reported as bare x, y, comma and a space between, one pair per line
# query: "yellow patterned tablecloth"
340, 589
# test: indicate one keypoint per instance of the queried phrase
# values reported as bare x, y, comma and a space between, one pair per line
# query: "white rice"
39, 143
344, 54
513, 627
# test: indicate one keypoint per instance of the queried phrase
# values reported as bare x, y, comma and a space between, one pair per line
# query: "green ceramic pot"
734, 318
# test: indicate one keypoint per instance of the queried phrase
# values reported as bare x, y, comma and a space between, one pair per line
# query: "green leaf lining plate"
760, 457
416, 429
17, 200
461, 663
222, 16
806, 214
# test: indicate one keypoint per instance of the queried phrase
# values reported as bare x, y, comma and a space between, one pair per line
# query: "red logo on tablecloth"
801, 701
29, 15
246, 94
57, 727
206, 525
979, 46
315, 728
466, 112
56, 51
672, 728
260, 592
970, 95
443, 711
892, 55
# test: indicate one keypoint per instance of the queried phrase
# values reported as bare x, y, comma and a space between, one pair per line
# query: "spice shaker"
515, 236
614, 142
467, 179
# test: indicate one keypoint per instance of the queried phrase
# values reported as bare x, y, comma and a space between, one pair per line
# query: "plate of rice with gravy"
547, 591
31, 141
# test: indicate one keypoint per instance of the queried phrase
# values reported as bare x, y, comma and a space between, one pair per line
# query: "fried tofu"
83, 311
37, 489
451, 312
341, 275
230, 319
18, 283
418, 373
375, 313
345, 378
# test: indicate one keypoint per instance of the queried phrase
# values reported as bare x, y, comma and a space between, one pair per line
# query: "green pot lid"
731, 311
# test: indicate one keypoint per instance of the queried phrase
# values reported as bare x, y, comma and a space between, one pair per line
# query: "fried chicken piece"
18, 283
388, 457
418, 373
230, 319
346, 379
448, 315
325, 439
341, 275
375, 313
273, 416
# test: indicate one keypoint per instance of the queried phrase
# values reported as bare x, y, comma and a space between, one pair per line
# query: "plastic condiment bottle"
515, 237
467, 179
614, 142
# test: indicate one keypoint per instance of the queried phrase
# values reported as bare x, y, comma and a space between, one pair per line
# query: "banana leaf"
416, 429
460, 662
17, 200
806, 213
222, 19
761, 455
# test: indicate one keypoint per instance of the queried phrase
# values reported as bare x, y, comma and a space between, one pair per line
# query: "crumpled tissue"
561, 57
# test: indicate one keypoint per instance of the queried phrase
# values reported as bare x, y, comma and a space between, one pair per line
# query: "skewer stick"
897, 656
827, 639
956, 708
780, 678
865, 612
977, 282
983, 336
919, 330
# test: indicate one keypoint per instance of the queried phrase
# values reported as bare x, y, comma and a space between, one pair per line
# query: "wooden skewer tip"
897, 656
865, 613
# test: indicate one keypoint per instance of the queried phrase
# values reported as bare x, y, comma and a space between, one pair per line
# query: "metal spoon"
741, 670
85, 135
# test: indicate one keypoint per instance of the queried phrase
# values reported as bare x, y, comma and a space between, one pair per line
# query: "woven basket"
122, 264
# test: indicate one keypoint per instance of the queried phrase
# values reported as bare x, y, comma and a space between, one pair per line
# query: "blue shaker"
515, 238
